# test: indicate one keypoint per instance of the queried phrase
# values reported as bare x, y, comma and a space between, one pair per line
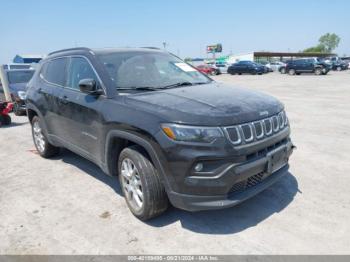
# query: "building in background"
27, 59
273, 56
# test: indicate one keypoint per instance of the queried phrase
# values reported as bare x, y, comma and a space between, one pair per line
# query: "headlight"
192, 133
22, 95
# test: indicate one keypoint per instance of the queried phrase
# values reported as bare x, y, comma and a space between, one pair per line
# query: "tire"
17, 111
318, 71
42, 145
6, 120
338, 68
143, 181
291, 71
283, 70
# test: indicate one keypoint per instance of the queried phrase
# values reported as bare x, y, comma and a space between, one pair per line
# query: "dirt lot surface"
68, 206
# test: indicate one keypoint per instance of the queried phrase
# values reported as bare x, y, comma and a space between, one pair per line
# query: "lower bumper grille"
248, 183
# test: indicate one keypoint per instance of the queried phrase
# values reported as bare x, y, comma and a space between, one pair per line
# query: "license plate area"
276, 159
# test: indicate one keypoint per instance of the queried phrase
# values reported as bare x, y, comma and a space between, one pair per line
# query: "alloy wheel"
38, 137
131, 183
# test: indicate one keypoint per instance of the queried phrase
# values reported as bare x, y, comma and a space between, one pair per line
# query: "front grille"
247, 183
250, 132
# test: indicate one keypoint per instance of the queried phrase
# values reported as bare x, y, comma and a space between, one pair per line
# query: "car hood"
211, 104
14, 88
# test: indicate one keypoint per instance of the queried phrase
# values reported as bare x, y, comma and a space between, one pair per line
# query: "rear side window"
79, 69
54, 71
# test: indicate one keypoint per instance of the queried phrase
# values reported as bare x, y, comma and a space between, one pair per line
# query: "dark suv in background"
246, 67
168, 131
310, 65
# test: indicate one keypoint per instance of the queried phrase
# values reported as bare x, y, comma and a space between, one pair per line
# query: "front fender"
151, 147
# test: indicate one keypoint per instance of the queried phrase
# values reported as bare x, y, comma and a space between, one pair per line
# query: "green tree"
329, 41
315, 49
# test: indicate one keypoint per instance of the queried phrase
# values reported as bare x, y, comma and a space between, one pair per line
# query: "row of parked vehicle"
317, 66
17, 75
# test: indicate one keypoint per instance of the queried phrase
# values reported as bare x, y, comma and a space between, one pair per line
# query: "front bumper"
198, 203
231, 174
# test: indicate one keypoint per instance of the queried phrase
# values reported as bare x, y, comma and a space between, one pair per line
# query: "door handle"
64, 100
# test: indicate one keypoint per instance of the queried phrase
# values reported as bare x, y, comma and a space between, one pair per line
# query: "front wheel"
338, 68
142, 188
318, 71
42, 145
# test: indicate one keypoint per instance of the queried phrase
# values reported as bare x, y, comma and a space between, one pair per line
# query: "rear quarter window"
54, 71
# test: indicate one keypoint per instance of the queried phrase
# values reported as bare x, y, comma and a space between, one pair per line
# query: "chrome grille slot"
259, 129
268, 126
281, 119
275, 124
234, 135
247, 132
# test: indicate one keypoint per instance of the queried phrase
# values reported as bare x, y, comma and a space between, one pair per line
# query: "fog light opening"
198, 167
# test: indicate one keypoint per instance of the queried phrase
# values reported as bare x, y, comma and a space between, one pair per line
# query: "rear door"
52, 80
80, 112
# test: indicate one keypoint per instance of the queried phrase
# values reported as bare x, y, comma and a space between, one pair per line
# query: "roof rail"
150, 47
71, 49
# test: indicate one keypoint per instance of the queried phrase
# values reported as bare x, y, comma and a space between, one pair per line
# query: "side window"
79, 68
54, 71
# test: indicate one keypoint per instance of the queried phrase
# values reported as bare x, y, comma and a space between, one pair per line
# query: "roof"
107, 50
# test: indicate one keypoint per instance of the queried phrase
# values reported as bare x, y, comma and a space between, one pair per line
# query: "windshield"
16, 77
137, 69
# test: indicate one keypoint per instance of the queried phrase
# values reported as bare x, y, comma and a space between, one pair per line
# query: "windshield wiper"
178, 85
143, 88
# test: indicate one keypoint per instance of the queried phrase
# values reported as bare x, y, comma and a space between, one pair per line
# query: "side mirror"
89, 86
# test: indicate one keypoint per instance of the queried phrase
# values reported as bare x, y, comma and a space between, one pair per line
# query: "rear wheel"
291, 71
44, 148
143, 191
338, 68
283, 70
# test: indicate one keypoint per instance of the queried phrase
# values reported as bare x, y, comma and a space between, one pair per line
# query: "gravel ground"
68, 206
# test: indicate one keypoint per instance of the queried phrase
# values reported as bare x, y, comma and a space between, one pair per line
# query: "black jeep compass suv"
169, 132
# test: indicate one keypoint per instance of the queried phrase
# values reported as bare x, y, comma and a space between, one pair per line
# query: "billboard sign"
214, 48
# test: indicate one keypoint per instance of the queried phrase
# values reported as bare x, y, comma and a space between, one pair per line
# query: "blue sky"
187, 26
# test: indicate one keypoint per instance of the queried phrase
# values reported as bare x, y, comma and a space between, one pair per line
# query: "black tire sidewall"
145, 168
7, 120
